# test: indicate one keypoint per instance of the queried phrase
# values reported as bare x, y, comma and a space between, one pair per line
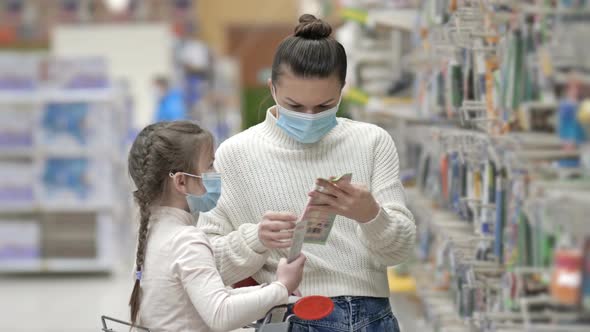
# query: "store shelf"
74, 265
80, 95
18, 209
20, 266
21, 97
403, 19
20, 153
74, 208
55, 265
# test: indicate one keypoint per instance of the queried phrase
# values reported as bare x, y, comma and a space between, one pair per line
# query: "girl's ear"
179, 183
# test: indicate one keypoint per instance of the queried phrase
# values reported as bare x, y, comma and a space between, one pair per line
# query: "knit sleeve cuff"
375, 228
250, 235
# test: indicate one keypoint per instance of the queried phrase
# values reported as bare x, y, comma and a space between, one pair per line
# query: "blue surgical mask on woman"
304, 127
207, 201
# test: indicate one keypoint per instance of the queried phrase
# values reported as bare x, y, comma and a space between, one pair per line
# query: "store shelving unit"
61, 191
499, 194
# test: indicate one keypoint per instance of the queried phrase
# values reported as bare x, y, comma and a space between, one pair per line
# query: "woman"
269, 169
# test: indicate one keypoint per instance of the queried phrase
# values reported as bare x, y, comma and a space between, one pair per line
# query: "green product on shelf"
519, 72
543, 245
524, 241
456, 85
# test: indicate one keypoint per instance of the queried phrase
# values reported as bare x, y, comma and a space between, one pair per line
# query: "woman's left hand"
348, 200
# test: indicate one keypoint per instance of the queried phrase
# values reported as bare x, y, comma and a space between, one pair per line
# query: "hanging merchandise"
566, 279
501, 183
586, 277
444, 176
570, 129
456, 80
501, 90
524, 241
488, 192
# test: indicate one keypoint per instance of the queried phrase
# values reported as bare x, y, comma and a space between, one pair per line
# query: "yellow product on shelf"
399, 283
357, 15
357, 96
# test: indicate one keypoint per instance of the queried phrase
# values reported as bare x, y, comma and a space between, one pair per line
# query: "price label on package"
313, 226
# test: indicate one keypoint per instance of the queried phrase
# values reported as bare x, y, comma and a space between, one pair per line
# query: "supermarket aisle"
68, 304
51, 304
62, 304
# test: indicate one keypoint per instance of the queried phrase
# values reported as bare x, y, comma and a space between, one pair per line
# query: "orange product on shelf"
566, 279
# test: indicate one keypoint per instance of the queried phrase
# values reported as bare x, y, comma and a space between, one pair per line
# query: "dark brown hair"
310, 52
159, 149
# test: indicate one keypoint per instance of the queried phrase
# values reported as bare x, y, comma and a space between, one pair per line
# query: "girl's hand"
349, 200
291, 275
275, 231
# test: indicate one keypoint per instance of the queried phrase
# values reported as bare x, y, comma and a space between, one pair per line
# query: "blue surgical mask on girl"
207, 201
306, 128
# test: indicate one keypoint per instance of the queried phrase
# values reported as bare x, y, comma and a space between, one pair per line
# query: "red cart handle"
313, 308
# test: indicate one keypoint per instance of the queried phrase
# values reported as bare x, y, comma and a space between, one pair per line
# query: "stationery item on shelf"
566, 279
16, 126
569, 127
77, 125
524, 241
444, 175
466, 185
76, 181
491, 67
423, 168
19, 72
66, 120
501, 183
17, 185
19, 240
570, 130
456, 75
79, 73
585, 298
477, 189
488, 198
455, 182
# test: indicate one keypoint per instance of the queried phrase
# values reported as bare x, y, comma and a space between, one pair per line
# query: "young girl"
177, 286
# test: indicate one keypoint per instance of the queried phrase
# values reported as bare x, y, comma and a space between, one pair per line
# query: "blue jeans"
352, 314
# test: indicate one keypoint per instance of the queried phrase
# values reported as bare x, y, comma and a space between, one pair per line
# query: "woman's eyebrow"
294, 102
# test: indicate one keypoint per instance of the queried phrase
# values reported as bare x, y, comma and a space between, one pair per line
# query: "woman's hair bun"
312, 28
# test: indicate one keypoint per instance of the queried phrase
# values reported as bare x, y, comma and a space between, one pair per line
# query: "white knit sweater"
263, 169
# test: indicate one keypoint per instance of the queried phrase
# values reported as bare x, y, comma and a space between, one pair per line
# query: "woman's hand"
351, 201
275, 231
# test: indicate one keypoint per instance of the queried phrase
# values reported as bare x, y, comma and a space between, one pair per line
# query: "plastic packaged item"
456, 73
17, 182
586, 277
570, 130
16, 126
20, 239
566, 279
444, 175
500, 216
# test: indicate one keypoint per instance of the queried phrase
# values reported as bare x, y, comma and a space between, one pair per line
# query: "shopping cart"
105, 328
307, 308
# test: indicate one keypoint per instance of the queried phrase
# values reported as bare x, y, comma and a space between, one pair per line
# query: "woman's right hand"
275, 231
291, 275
